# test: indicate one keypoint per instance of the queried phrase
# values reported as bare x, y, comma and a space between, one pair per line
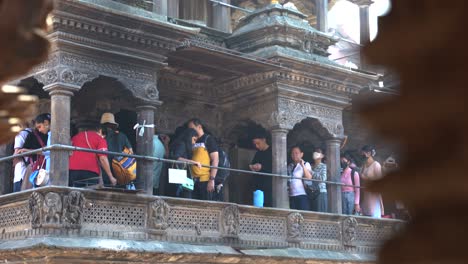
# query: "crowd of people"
198, 149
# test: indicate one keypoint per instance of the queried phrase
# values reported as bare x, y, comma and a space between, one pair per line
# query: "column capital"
362, 3
61, 89
280, 130
146, 108
334, 140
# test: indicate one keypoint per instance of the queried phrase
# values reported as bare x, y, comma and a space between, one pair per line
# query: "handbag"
124, 168
37, 165
39, 172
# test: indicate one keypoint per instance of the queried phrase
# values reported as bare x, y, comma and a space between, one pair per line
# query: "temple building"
234, 64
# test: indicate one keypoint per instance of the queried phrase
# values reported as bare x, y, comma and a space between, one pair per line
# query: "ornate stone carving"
152, 91
52, 208
56, 211
295, 221
230, 221
47, 77
350, 226
36, 200
159, 214
72, 77
73, 208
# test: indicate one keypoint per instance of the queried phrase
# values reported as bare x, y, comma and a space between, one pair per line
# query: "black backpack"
224, 162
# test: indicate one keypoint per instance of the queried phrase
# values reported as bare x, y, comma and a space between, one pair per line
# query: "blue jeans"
300, 202
347, 199
17, 186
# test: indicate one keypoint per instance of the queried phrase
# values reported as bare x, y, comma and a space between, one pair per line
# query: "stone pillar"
321, 7
220, 18
364, 27
279, 149
194, 11
160, 7
145, 114
333, 166
60, 96
173, 8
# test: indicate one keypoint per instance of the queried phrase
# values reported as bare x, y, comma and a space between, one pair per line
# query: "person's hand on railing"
196, 163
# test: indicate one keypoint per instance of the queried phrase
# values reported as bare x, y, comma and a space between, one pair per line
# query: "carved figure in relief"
230, 221
295, 221
35, 207
73, 210
52, 208
160, 214
350, 225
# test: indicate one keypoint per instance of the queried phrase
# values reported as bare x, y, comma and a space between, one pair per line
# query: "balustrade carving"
56, 210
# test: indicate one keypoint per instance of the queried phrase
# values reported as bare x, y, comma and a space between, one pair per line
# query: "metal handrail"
60, 147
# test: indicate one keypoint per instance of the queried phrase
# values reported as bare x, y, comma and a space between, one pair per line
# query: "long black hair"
186, 140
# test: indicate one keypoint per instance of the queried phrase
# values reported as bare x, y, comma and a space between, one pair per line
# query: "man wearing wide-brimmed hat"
116, 141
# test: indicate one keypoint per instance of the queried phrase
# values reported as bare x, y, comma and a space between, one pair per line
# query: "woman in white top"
298, 170
371, 203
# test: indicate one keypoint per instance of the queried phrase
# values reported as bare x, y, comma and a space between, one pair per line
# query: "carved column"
173, 8
60, 131
61, 82
321, 7
364, 27
195, 11
279, 149
160, 7
145, 115
333, 166
220, 18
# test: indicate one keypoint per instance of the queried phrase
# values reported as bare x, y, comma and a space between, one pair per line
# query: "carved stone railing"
79, 213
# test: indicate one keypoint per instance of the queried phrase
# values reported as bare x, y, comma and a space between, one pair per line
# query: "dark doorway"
126, 120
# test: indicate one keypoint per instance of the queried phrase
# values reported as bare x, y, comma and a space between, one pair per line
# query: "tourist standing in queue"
160, 150
350, 196
205, 151
20, 164
319, 198
116, 140
263, 162
37, 139
298, 170
181, 150
372, 204
84, 166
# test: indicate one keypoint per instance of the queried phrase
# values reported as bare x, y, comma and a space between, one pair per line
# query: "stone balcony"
70, 225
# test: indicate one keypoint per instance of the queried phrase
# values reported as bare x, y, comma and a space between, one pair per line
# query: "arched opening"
309, 134
240, 186
101, 95
34, 87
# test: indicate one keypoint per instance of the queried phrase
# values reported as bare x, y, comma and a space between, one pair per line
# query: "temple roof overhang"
218, 62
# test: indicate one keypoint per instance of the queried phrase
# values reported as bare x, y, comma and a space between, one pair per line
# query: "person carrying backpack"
205, 151
350, 195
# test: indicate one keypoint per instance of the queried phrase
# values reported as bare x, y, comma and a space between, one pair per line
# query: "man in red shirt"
85, 165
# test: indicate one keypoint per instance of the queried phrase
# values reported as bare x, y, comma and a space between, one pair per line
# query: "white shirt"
296, 186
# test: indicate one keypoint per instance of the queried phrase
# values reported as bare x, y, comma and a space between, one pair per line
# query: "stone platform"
70, 225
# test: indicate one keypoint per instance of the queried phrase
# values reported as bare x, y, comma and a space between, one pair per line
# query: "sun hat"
108, 118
